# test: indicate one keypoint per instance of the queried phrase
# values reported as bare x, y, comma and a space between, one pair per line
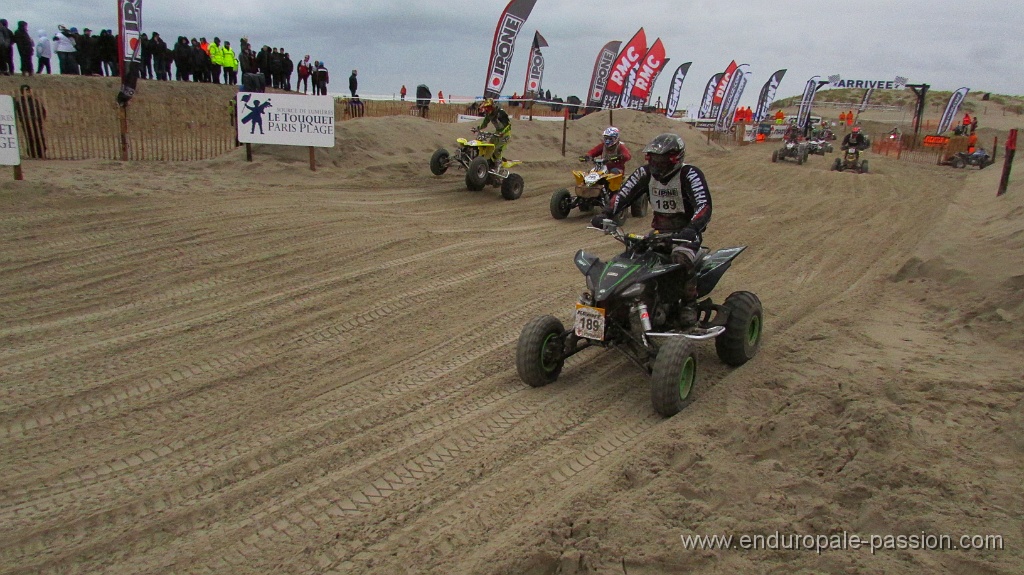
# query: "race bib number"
667, 205
589, 322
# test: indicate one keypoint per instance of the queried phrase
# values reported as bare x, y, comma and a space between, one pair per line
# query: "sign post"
10, 151
285, 119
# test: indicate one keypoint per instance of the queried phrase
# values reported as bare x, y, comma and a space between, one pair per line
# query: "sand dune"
223, 367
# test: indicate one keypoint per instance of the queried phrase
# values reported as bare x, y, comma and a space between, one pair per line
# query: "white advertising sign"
285, 119
9, 154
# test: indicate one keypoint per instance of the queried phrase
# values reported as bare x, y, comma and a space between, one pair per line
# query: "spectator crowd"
193, 59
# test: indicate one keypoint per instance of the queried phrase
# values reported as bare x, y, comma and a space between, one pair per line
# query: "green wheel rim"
754, 330
686, 377
546, 354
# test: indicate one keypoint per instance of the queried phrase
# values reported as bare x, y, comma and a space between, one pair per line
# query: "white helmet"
611, 136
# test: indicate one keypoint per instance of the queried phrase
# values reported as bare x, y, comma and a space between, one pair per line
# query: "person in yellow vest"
216, 60
230, 64
780, 117
842, 118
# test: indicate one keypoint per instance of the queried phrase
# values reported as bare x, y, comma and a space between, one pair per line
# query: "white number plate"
590, 322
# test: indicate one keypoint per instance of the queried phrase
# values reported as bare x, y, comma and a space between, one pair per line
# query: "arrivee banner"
672, 102
767, 96
626, 60
602, 68
952, 107
509, 24
129, 26
285, 119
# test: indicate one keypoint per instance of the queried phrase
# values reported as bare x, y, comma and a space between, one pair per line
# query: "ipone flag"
672, 102
952, 107
627, 59
731, 99
129, 26
602, 68
723, 83
709, 94
806, 101
535, 66
650, 66
511, 22
767, 96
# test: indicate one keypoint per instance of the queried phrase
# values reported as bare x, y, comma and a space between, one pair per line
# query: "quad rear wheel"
540, 352
674, 376
742, 336
512, 187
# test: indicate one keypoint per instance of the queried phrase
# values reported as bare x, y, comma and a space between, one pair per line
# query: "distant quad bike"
475, 156
594, 189
978, 158
629, 306
791, 150
819, 147
851, 161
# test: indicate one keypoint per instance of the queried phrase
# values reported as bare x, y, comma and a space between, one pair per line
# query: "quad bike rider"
853, 144
595, 188
979, 157
792, 146
482, 157
681, 200
644, 302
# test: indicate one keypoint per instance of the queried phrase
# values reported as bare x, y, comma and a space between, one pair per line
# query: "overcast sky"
446, 44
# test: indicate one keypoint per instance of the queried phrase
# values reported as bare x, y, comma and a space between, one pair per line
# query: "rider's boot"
688, 314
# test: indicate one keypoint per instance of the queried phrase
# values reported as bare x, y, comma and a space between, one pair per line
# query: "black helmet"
665, 155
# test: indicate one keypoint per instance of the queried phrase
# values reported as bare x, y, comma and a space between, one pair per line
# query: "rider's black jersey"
856, 140
682, 202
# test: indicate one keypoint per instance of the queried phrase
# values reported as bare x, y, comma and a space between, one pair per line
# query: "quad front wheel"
539, 354
864, 167
439, 162
674, 376
512, 187
775, 156
561, 204
476, 174
837, 166
742, 336
958, 162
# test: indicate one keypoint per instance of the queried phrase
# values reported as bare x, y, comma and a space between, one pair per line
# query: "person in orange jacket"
972, 143
849, 118
402, 92
780, 117
842, 117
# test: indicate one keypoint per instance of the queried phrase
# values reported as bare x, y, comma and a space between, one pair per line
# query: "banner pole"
565, 128
20, 176
1011, 149
312, 159
248, 152
124, 133
611, 122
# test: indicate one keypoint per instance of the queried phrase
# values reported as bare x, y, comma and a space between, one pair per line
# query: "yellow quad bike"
594, 189
481, 168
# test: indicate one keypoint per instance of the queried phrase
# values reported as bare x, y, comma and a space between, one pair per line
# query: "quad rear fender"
713, 267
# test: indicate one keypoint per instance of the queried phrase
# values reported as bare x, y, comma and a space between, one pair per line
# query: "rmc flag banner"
535, 66
627, 59
672, 102
767, 96
952, 107
709, 94
129, 26
509, 25
602, 68
651, 65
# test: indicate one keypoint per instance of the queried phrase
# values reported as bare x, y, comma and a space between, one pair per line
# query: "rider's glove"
584, 158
